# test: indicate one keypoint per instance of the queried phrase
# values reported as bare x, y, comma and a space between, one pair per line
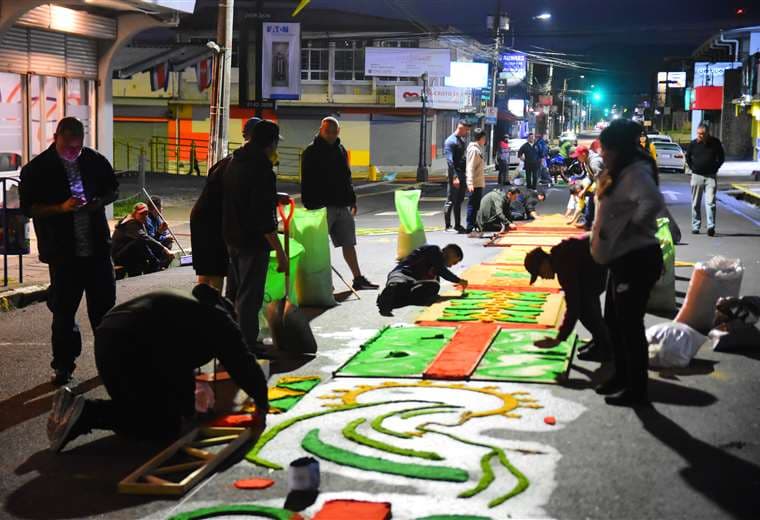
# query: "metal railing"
188, 156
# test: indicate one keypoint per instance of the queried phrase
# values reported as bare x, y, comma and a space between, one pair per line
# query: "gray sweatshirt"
476, 166
626, 218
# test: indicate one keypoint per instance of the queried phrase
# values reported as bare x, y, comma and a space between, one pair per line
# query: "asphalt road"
695, 454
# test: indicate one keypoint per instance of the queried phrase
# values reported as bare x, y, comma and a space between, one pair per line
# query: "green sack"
411, 231
313, 280
663, 295
274, 289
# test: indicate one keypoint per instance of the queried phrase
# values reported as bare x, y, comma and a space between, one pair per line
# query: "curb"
26, 295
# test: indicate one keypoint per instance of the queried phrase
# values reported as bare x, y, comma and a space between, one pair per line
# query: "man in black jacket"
249, 223
454, 149
415, 280
65, 190
326, 183
146, 351
704, 155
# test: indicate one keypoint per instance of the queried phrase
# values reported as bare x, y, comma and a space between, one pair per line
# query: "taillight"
678, 156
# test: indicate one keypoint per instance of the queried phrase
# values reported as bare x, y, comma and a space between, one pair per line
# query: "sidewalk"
739, 168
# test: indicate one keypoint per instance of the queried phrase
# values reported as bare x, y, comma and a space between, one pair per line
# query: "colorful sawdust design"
253, 510
398, 352
355, 398
512, 275
354, 510
286, 393
513, 356
533, 239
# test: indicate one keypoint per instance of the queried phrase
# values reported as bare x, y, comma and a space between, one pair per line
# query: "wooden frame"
152, 478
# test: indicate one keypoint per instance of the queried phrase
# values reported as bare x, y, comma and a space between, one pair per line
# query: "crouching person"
494, 213
133, 248
148, 367
415, 280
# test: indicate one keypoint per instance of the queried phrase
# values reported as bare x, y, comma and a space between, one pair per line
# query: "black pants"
531, 175
402, 290
149, 396
589, 212
69, 280
503, 167
631, 280
590, 316
473, 206
138, 258
454, 199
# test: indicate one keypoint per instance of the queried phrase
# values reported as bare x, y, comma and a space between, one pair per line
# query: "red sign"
546, 101
708, 98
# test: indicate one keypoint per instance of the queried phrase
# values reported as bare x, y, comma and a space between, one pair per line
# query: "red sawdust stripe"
458, 359
500, 324
354, 510
515, 288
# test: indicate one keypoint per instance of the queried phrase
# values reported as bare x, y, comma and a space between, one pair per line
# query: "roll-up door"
48, 54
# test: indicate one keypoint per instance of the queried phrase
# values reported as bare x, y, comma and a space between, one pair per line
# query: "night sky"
628, 39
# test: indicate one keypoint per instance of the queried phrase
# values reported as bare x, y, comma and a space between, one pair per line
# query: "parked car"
514, 147
670, 157
659, 138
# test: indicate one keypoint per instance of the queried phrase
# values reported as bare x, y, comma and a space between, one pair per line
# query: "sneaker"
461, 230
362, 284
695, 232
61, 428
388, 313
61, 377
711, 232
450, 230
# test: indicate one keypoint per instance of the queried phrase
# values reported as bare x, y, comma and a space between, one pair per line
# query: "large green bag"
313, 280
663, 295
274, 289
411, 231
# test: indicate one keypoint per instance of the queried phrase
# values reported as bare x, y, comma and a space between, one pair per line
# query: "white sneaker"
67, 409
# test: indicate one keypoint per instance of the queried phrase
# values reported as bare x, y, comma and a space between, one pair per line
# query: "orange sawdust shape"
461, 356
354, 510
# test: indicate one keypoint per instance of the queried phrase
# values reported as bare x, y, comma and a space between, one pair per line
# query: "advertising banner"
405, 62
707, 74
468, 75
513, 67
443, 98
281, 61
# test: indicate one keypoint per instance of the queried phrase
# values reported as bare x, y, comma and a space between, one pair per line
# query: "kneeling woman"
623, 238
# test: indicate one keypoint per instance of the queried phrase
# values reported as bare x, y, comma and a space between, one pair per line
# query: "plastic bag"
411, 231
663, 295
710, 280
673, 344
735, 335
313, 280
274, 289
204, 397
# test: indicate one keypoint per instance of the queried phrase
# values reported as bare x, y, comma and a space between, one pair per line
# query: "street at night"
335, 259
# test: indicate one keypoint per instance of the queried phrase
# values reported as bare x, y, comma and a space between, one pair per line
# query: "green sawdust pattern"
516, 307
236, 509
314, 445
284, 404
350, 433
416, 413
267, 436
522, 481
455, 517
377, 422
398, 352
301, 386
513, 357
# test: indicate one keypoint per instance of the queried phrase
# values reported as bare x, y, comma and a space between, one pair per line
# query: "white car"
514, 147
670, 157
659, 138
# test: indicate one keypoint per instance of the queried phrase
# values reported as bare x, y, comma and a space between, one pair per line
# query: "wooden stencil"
163, 475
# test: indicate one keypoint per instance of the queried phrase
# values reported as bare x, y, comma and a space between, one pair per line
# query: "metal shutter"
14, 51
47, 53
81, 58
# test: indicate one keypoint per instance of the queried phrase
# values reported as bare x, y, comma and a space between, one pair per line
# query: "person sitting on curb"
415, 280
494, 214
155, 225
583, 281
134, 249
148, 365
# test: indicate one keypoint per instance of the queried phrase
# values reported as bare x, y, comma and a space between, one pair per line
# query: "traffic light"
597, 96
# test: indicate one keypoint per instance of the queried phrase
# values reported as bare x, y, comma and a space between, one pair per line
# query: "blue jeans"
701, 185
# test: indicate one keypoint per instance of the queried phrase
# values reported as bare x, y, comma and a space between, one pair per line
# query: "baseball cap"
533, 261
578, 151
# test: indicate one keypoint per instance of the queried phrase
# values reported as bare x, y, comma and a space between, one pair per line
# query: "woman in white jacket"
623, 238
476, 176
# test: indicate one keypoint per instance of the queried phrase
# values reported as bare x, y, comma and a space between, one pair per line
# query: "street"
695, 454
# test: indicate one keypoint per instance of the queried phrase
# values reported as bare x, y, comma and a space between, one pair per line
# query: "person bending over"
523, 205
148, 364
494, 214
583, 281
415, 280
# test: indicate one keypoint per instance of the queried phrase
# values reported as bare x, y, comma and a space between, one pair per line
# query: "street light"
543, 16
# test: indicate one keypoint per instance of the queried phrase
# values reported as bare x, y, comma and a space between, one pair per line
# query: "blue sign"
513, 67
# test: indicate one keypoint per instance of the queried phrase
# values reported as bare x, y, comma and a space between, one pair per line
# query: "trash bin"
14, 232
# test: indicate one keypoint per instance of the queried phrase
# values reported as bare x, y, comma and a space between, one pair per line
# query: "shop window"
11, 122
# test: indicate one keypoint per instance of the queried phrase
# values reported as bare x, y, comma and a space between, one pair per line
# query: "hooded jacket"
249, 199
626, 214
476, 166
326, 176
44, 181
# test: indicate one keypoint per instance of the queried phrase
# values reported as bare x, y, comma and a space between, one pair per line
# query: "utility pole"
219, 110
422, 169
494, 75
